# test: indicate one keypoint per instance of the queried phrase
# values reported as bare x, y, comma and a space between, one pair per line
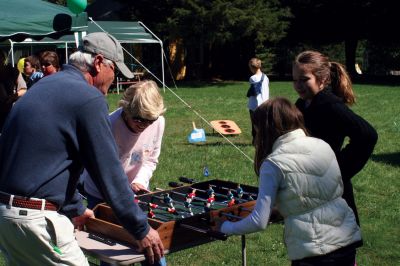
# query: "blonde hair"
327, 72
255, 63
143, 100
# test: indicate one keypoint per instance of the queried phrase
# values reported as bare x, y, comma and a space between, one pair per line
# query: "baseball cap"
106, 45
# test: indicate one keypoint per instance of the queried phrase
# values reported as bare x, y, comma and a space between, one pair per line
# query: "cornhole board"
225, 127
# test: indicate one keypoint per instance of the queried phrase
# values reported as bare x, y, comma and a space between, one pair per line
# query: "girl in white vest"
301, 175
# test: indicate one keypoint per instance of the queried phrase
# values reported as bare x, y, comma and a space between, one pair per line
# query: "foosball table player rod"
175, 184
199, 199
192, 181
178, 202
232, 189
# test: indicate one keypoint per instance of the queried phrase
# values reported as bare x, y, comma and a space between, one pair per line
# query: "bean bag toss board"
225, 127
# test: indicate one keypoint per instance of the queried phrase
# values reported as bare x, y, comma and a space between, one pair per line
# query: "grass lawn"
376, 186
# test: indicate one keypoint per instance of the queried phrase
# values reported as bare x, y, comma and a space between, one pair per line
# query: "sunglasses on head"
46, 64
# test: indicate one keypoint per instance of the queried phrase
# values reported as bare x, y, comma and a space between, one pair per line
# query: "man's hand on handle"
152, 246
80, 221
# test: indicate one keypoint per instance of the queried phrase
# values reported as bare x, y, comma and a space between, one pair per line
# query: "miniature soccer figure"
153, 206
209, 202
231, 199
188, 201
207, 206
150, 213
168, 200
190, 196
188, 206
239, 191
210, 190
172, 210
211, 199
136, 200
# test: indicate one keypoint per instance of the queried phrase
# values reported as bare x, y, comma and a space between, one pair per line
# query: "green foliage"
382, 61
220, 32
209, 24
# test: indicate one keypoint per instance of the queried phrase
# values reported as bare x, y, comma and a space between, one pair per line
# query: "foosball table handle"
175, 184
211, 233
217, 235
187, 180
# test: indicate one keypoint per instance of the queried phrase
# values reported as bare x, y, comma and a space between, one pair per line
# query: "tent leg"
162, 66
12, 52
66, 52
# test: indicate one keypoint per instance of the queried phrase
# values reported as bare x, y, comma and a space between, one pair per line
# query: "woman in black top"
325, 92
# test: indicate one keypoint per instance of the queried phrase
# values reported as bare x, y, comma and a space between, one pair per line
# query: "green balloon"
76, 6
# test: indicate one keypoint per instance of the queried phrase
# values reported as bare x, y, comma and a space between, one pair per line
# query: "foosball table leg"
244, 261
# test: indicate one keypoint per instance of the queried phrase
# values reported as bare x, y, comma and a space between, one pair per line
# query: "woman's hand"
138, 188
217, 223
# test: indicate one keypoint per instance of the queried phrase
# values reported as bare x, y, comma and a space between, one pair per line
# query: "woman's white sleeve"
270, 176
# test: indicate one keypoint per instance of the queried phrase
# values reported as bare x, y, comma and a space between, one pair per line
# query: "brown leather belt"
27, 203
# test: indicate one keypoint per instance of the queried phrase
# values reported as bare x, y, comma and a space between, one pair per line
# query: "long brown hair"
272, 119
327, 72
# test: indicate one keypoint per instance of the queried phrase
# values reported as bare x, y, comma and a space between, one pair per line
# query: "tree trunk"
350, 53
177, 58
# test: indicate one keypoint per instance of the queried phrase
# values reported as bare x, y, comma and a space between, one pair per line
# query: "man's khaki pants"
35, 237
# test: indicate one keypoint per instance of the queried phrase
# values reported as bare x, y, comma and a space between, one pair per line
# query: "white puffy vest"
317, 219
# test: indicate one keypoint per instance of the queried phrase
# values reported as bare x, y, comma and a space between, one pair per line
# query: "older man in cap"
60, 126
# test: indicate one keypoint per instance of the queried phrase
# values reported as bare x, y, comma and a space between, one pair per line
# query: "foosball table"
182, 216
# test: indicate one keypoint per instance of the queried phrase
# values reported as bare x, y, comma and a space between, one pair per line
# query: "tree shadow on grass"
388, 158
219, 143
216, 134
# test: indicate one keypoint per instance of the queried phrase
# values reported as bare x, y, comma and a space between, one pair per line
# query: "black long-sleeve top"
329, 119
58, 127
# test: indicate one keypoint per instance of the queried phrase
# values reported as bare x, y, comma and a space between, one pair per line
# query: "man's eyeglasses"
143, 121
113, 68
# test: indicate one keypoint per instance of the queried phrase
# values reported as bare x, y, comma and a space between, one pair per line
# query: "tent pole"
66, 52
162, 66
12, 52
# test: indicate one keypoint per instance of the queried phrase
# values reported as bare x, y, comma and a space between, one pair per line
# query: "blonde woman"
138, 127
